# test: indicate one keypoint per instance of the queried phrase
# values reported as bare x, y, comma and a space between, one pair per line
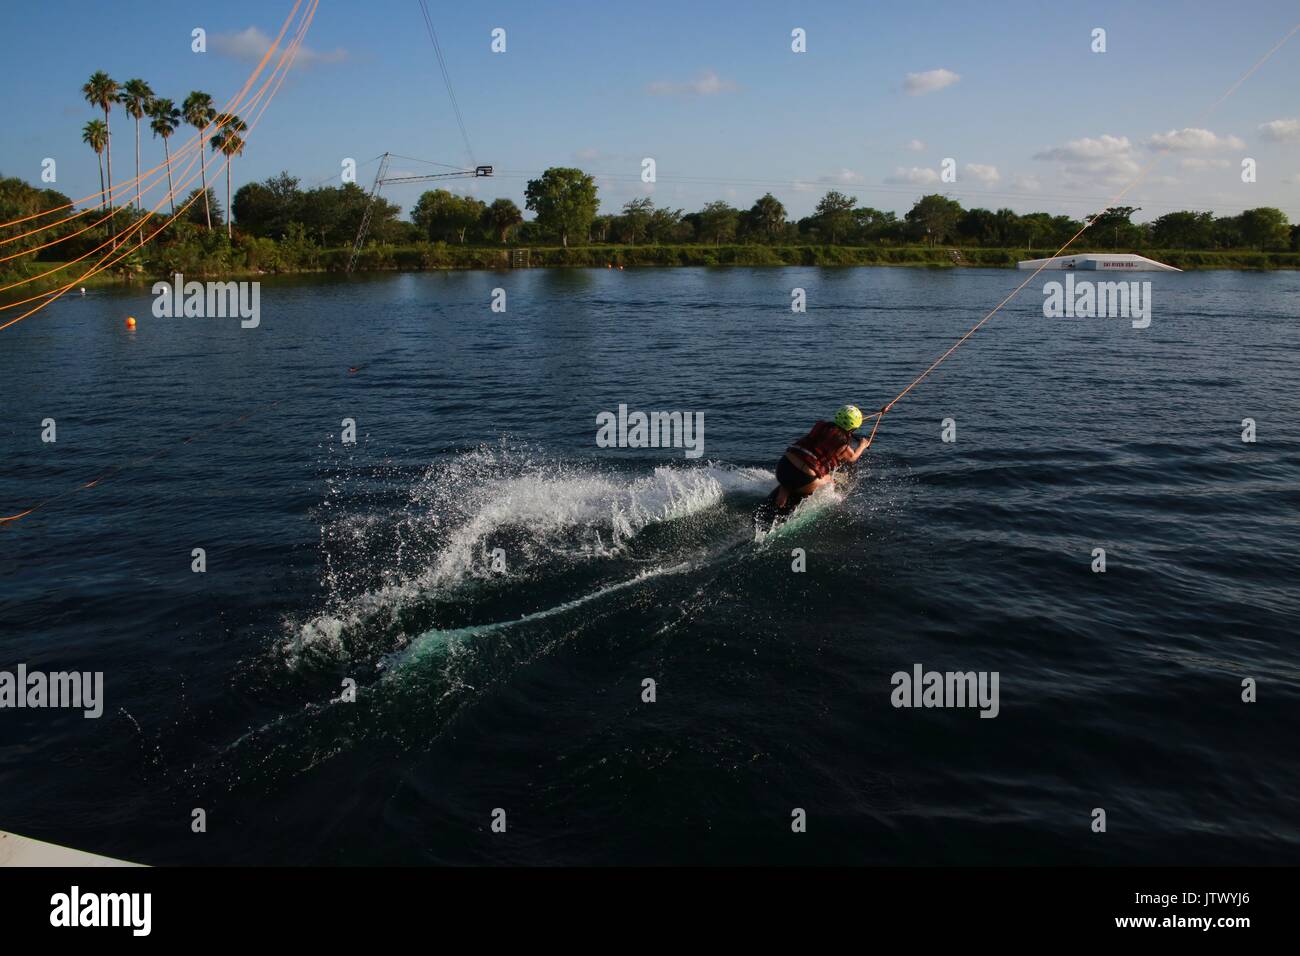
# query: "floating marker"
130, 321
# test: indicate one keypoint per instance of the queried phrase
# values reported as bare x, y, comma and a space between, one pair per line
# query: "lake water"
521, 689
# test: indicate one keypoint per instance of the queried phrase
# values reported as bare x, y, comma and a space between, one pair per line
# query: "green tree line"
279, 226
566, 204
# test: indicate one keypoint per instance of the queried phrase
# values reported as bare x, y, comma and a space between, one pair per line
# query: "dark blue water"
522, 690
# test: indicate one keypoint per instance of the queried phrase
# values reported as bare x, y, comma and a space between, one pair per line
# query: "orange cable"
140, 224
116, 238
229, 108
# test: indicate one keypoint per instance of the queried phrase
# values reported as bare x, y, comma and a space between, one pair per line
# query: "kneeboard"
768, 517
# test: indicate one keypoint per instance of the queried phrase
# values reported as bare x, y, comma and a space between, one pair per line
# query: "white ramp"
1101, 262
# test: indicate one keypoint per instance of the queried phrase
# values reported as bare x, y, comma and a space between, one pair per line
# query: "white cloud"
251, 45
589, 153
914, 146
1119, 171
931, 81
1281, 130
985, 174
1088, 149
1025, 183
1191, 139
707, 83
916, 176
1095, 161
1196, 163
843, 176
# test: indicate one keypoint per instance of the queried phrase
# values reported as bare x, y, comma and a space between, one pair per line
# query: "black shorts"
791, 478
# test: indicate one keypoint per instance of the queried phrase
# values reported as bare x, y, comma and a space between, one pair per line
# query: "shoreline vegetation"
280, 229
441, 256
277, 227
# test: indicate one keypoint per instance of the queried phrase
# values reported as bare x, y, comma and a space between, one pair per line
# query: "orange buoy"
130, 321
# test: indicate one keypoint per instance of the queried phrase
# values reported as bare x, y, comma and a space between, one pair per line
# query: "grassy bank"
269, 260
438, 256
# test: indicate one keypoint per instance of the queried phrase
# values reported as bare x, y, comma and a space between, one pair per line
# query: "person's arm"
863, 445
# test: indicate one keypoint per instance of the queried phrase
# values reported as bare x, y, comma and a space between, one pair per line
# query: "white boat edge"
1100, 262
18, 850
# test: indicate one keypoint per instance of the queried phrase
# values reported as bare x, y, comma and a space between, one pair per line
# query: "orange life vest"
820, 448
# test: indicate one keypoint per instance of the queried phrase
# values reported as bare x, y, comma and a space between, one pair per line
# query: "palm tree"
95, 135
229, 141
101, 90
198, 111
503, 215
135, 98
769, 214
165, 119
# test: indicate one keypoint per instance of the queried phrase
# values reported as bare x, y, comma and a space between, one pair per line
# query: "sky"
1011, 92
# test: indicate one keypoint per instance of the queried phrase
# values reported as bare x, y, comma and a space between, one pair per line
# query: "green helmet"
848, 417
